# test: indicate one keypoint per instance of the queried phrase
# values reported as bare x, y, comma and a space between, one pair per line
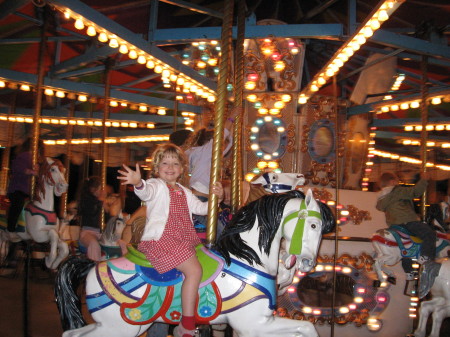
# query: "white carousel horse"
439, 305
392, 244
110, 241
125, 295
280, 182
42, 223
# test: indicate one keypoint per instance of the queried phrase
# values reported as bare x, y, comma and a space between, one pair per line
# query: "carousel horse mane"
44, 174
269, 211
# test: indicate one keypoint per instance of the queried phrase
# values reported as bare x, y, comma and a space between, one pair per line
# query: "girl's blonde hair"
171, 150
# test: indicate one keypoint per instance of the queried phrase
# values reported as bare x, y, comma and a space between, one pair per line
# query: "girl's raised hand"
128, 176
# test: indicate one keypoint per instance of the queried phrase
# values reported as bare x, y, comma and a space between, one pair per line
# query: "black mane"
269, 211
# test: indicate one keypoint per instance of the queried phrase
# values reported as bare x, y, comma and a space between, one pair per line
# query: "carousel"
329, 95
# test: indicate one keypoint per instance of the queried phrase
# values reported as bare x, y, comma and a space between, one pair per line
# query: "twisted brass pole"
424, 133
38, 101
105, 132
219, 119
7, 152
236, 177
69, 135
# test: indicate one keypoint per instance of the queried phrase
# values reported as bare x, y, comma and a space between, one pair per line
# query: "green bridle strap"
297, 237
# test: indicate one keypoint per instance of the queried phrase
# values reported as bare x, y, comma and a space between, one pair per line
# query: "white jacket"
155, 193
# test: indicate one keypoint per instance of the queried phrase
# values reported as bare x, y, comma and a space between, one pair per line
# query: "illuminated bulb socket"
123, 49
102, 37
91, 31
133, 54
49, 92
158, 69
141, 59
79, 24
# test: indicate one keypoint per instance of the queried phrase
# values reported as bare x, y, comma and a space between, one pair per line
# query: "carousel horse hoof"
376, 283
180, 331
429, 271
13, 237
392, 280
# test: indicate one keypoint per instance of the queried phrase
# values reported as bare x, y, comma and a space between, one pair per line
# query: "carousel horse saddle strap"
401, 233
254, 277
212, 265
49, 216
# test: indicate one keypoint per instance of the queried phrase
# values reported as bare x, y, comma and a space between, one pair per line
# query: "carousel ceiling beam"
134, 39
8, 7
92, 54
303, 31
411, 44
92, 70
95, 90
194, 8
37, 40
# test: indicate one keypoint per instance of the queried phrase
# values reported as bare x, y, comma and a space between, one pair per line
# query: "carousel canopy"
160, 61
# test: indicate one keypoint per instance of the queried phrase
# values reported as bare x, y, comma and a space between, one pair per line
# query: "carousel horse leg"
438, 317
58, 250
426, 308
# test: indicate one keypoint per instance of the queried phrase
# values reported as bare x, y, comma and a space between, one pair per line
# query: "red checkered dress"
178, 241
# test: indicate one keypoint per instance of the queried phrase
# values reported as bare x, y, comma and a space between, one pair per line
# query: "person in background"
199, 152
169, 237
19, 188
397, 204
91, 203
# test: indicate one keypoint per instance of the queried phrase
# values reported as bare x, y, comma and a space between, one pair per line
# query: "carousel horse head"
302, 219
51, 173
279, 182
113, 231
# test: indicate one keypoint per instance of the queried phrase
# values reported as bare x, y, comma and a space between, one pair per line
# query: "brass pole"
69, 135
236, 177
38, 98
220, 106
338, 179
424, 133
104, 148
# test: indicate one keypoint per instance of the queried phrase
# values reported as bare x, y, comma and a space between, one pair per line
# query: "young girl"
169, 237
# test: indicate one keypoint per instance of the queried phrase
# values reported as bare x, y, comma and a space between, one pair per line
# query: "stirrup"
180, 330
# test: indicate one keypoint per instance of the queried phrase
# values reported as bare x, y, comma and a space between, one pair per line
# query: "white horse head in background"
279, 182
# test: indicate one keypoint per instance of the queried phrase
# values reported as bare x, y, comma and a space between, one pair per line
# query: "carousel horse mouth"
61, 188
306, 264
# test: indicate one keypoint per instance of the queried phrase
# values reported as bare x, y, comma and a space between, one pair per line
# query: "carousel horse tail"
70, 275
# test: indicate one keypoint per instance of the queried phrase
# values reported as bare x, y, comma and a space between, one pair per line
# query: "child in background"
397, 204
169, 237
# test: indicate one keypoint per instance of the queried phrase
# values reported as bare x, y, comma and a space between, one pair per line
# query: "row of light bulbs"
429, 143
343, 54
429, 127
405, 159
141, 57
82, 97
109, 140
413, 104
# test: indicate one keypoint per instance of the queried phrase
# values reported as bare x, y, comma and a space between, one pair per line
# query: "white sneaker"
422, 259
412, 276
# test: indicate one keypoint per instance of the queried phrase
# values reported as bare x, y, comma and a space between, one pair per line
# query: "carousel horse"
110, 241
42, 224
438, 306
394, 243
126, 295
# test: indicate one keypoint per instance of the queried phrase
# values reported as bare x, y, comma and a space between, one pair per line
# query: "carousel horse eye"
313, 226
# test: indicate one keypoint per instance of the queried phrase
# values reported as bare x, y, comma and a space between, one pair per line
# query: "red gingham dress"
178, 241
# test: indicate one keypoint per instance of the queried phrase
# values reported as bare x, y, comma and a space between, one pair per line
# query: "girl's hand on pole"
217, 189
128, 176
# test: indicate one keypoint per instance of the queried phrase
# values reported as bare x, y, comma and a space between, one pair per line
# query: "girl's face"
170, 169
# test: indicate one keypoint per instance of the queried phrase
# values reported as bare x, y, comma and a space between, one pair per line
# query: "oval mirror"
321, 145
268, 138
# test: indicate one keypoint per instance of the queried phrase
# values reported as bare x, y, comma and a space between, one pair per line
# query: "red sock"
188, 322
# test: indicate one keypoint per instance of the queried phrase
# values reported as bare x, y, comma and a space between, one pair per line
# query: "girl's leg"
192, 271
